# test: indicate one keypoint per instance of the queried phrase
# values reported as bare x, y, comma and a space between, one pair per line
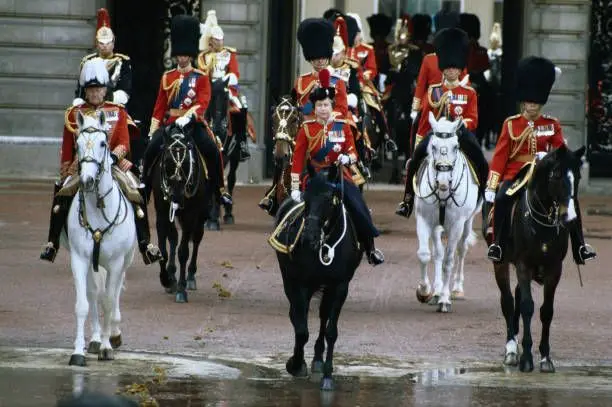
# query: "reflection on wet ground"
450, 387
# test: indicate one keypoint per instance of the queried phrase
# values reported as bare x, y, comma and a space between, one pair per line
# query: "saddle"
285, 236
127, 181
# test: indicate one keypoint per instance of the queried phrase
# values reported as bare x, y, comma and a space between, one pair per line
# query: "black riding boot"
470, 146
405, 207
57, 221
239, 128
150, 252
580, 250
500, 226
374, 256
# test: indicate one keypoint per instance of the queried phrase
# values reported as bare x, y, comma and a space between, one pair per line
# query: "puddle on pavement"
582, 386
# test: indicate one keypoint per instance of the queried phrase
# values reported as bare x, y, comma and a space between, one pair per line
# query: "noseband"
88, 158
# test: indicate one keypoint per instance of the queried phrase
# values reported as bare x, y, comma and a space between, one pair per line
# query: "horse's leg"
213, 216
526, 306
502, 278
80, 268
438, 255
517, 309
319, 348
198, 234
92, 298
553, 274
467, 239
114, 276
183, 256
338, 294
161, 225
424, 292
115, 336
171, 268
228, 217
298, 314
454, 235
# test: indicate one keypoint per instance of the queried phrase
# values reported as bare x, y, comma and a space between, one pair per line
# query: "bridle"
284, 113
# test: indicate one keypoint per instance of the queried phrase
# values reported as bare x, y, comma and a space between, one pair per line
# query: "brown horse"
286, 121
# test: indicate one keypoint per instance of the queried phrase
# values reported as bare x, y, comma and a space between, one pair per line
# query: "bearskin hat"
380, 25
324, 90
535, 78
332, 13
421, 26
452, 46
470, 24
341, 37
185, 35
446, 19
316, 36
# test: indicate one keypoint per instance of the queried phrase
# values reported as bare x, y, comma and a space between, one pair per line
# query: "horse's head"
320, 199
92, 149
443, 150
285, 123
217, 108
556, 178
178, 161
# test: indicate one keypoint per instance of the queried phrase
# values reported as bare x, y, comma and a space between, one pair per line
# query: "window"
394, 8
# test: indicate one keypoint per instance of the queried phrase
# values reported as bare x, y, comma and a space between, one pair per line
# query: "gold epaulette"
305, 74
513, 117
87, 58
352, 63
69, 125
308, 121
122, 56
340, 120
549, 117
200, 71
230, 49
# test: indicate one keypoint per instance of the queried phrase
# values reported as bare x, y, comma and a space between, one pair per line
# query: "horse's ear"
432, 119
311, 170
80, 119
102, 118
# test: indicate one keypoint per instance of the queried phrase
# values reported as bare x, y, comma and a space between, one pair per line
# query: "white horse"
101, 239
447, 200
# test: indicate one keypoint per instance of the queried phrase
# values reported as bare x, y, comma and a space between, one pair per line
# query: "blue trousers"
357, 208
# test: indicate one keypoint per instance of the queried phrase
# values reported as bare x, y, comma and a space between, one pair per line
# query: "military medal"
337, 148
458, 110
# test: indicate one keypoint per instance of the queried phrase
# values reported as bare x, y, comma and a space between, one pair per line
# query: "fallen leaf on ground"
227, 264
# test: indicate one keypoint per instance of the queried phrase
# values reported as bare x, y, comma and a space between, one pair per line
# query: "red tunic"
429, 74
119, 137
181, 93
364, 53
518, 144
458, 101
304, 84
322, 144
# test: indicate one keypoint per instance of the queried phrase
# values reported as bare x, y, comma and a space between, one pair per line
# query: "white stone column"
484, 9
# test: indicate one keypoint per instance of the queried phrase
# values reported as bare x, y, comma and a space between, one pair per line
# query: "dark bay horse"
217, 117
180, 191
543, 212
325, 257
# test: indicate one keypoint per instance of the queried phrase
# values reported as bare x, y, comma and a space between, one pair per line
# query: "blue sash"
329, 145
183, 89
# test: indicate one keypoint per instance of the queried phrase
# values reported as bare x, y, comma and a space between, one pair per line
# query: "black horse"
541, 217
180, 190
313, 266
217, 117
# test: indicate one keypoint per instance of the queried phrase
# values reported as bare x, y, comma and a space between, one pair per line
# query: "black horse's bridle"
284, 112
178, 151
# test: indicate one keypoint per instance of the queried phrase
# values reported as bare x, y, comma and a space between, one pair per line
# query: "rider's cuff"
154, 125
417, 139
295, 181
192, 111
416, 104
493, 180
120, 152
467, 122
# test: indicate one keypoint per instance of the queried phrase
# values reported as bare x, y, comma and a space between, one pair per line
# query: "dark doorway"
281, 41
512, 42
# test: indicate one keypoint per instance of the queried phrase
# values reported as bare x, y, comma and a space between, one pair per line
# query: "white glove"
490, 195
296, 195
540, 155
344, 159
77, 102
381, 82
120, 97
183, 121
236, 102
413, 114
233, 80
351, 100
487, 75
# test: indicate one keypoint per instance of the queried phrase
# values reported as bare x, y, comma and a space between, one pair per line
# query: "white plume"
95, 68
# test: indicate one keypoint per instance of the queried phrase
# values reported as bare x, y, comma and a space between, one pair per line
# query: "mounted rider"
221, 62
452, 99
184, 94
524, 136
324, 141
94, 80
380, 27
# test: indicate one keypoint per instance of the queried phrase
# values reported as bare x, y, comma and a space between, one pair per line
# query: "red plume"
324, 78
103, 19
342, 30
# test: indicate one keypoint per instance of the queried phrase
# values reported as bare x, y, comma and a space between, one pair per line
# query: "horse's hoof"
228, 219
327, 384
434, 300
191, 285
526, 363
106, 354
547, 365
296, 371
181, 297
317, 366
115, 341
511, 359
213, 225
423, 294
94, 347
458, 295
165, 279
444, 308
77, 360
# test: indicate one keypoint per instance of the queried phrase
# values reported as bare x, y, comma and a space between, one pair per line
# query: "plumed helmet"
341, 37
104, 33
324, 90
470, 24
380, 25
185, 35
94, 73
495, 40
451, 46
403, 28
421, 24
316, 36
535, 78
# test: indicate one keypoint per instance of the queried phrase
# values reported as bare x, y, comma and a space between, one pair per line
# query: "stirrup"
586, 252
226, 198
244, 152
376, 257
404, 209
495, 252
265, 204
49, 252
151, 254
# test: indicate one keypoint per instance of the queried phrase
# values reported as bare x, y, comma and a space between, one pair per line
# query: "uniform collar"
451, 85
185, 69
534, 120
